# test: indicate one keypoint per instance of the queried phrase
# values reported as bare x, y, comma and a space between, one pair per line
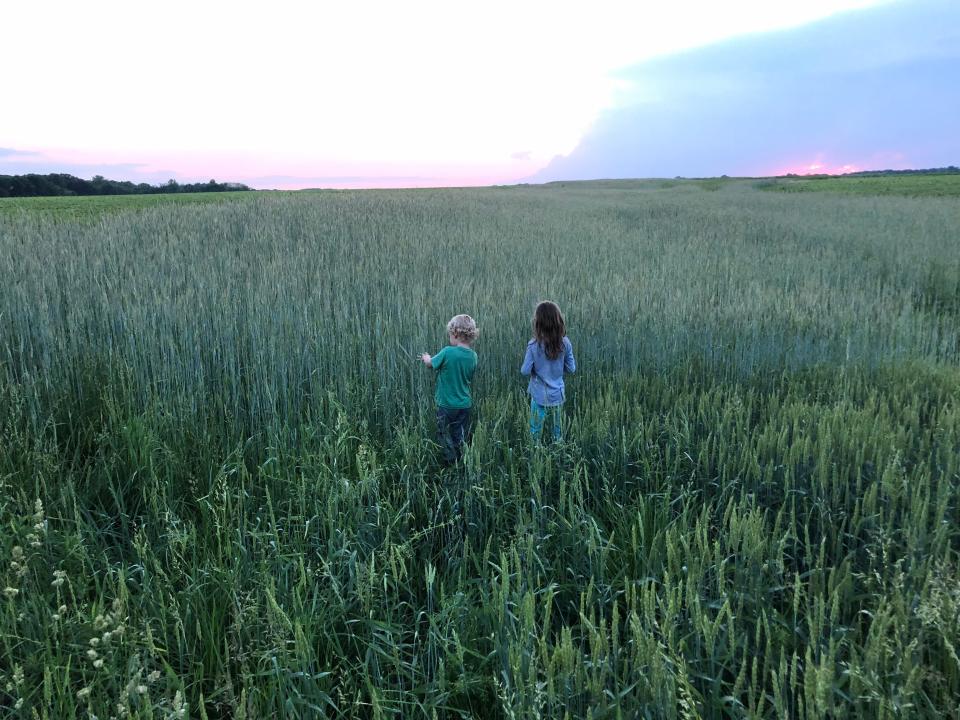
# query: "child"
549, 355
455, 365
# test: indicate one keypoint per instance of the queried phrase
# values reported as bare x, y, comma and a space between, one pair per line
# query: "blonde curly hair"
463, 327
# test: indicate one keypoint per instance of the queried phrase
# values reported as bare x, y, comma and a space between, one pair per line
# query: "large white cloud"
871, 90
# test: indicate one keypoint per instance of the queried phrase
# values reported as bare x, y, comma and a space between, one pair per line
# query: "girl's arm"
527, 367
569, 362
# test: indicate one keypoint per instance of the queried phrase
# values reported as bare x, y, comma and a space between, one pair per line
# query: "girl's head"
463, 328
549, 328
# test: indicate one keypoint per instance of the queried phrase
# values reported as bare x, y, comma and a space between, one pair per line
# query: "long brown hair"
549, 328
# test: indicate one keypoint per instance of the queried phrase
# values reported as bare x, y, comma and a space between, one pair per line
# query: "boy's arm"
527, 367
436, 361
569, 362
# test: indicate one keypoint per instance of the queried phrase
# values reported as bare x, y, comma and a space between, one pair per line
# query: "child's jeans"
538, 414
453, 430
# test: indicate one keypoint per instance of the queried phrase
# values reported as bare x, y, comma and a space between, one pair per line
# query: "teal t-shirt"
454, 365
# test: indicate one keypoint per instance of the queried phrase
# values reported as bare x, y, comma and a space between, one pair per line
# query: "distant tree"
32, 185
100, 185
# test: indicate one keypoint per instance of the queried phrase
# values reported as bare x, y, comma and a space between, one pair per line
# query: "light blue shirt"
546, 375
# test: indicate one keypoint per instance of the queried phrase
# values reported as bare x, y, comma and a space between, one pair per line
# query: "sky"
385, 94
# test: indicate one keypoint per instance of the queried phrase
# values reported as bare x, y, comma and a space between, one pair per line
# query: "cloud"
521, 155
13, 152
871, 89
329, 179
342, 181
23, 162
237, 168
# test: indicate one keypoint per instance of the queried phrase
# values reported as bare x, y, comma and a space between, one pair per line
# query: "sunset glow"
819, 167
823, 163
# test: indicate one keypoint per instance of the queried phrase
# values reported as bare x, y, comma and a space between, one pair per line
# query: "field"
220, 497
95, 207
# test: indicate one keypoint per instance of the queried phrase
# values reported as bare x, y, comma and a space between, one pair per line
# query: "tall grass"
219, 497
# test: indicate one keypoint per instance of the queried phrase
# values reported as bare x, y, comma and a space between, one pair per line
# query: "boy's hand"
426, 358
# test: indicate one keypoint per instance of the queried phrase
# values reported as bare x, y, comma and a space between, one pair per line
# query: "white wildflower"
141, 689
98, 663
39, 522
153, 676
18, 704
94, 641
10, 592
179, 710
92, 654
83, 692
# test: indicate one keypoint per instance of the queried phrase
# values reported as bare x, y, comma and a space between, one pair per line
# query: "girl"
549, 355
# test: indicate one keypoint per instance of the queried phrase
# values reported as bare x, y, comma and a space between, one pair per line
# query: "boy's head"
463, 328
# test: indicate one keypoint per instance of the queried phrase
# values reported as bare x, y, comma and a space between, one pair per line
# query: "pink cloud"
821, 165
277, 171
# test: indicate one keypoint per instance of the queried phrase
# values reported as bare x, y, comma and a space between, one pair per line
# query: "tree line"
950, 170
34, 185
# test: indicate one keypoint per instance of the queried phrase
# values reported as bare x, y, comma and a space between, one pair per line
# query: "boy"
455, 365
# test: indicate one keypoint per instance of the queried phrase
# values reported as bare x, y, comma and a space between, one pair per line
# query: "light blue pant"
538, 414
